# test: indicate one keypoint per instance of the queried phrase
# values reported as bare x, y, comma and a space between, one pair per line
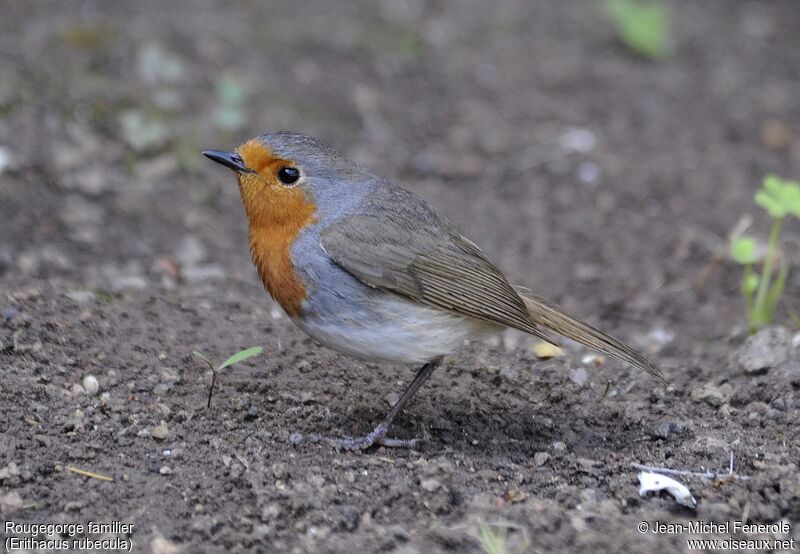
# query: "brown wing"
398, 243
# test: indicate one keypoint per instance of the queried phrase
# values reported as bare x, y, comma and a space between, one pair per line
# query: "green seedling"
236, 358
642, 25
762, 289
495, 541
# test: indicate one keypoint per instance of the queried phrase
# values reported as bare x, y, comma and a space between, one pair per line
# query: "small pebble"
578, 376
279, 471
306, 397
588, 496
510, 374
668, 427
559, 446
316, 481
768, 348
271, 512
540, 458
758, 407
9, 471
165, 470
90, 385
160, 545
711, 395
430, 485
515, 496
160, 431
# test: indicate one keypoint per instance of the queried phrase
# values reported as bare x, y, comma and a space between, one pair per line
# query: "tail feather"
549, 315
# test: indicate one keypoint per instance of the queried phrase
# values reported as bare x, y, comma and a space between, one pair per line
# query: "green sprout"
642, 25
496, 541
762, 290
236, 358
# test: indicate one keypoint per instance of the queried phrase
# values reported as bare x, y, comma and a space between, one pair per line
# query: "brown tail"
549, 315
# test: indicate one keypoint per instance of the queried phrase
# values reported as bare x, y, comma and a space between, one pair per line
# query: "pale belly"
392, 329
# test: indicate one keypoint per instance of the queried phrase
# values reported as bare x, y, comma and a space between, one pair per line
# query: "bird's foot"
376, 438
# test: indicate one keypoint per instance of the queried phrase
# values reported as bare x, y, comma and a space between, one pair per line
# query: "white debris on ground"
655, 482
577, 139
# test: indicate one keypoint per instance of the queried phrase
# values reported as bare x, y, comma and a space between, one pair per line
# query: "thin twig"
211, 388
85, 473
213, 369
686, 473
608, 388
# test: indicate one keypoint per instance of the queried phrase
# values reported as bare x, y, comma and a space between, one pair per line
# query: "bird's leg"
378, 435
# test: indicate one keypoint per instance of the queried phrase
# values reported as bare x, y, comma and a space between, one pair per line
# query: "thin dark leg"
378, 435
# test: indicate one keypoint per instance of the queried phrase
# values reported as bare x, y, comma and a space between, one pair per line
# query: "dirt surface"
603, 181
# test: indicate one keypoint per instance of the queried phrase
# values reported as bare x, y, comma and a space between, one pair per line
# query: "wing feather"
398, 243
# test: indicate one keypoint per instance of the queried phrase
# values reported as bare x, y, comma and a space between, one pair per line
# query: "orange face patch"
276, 214
259, 158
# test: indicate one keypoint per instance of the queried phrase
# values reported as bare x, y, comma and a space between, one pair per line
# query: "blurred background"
600, 157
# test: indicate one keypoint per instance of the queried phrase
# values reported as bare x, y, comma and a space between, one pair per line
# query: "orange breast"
270, 247
276, 214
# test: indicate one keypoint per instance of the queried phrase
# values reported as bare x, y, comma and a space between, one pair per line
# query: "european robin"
367, 268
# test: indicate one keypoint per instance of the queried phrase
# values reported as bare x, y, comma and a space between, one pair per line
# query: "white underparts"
396, 330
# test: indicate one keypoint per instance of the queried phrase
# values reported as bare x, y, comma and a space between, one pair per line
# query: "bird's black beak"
231, 160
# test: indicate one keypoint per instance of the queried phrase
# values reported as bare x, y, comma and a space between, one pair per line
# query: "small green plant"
496, 541
642, 25
236, 358
763, 288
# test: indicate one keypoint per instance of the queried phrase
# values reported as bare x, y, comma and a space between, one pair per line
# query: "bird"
369, 269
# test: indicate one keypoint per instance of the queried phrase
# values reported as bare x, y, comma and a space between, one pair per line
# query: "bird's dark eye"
288, 175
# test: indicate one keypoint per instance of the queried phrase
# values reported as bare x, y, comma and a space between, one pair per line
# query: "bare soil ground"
122, 251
